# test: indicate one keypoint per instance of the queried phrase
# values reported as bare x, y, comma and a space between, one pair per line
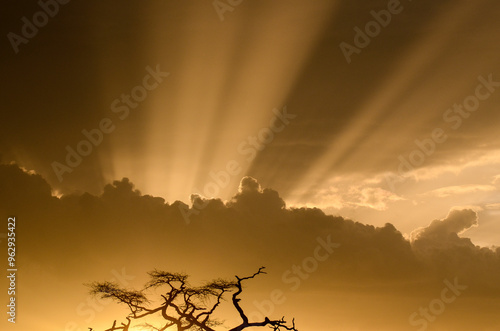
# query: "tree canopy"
183, 306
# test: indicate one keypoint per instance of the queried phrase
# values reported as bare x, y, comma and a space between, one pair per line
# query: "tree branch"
183, 306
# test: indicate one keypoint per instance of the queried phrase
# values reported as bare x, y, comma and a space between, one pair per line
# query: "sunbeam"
221, 98
382, 112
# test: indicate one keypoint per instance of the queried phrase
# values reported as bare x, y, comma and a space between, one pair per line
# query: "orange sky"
346, 115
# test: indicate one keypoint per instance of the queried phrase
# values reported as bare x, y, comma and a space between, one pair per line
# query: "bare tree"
183, 306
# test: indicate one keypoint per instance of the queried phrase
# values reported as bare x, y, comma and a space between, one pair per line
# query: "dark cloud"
255, 224
105, 55
443, 251
20, 186
442, 231
75, 237
365, 114
249, 184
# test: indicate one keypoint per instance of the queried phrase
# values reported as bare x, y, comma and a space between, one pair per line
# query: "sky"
215, 137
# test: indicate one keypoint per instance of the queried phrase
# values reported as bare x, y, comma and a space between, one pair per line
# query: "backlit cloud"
251, 229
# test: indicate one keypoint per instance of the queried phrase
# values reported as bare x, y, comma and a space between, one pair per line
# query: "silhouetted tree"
182, 305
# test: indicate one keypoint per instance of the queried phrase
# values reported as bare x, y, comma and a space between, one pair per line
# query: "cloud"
255, 223
455, 223
476, 159
251, 198
492, 206
123, 227
19, 186
375, 198
445, 253
460, 189
249, 184
342, 193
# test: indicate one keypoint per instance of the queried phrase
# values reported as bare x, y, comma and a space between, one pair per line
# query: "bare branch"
184, 307
236, 300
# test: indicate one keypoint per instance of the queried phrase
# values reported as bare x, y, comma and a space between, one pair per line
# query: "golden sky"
216, 137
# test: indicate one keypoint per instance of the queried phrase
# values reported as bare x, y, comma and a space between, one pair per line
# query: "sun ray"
419, 57
249, 68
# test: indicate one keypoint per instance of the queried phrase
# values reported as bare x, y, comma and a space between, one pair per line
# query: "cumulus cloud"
249, 184
255, 223
255, 227
445, 253
455, 223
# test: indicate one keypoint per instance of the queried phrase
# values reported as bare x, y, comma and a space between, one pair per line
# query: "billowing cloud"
255, 223
447, 254
455, 223
123, 227
249, 184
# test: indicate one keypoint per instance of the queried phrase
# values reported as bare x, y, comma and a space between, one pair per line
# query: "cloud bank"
74, 237
255, 224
